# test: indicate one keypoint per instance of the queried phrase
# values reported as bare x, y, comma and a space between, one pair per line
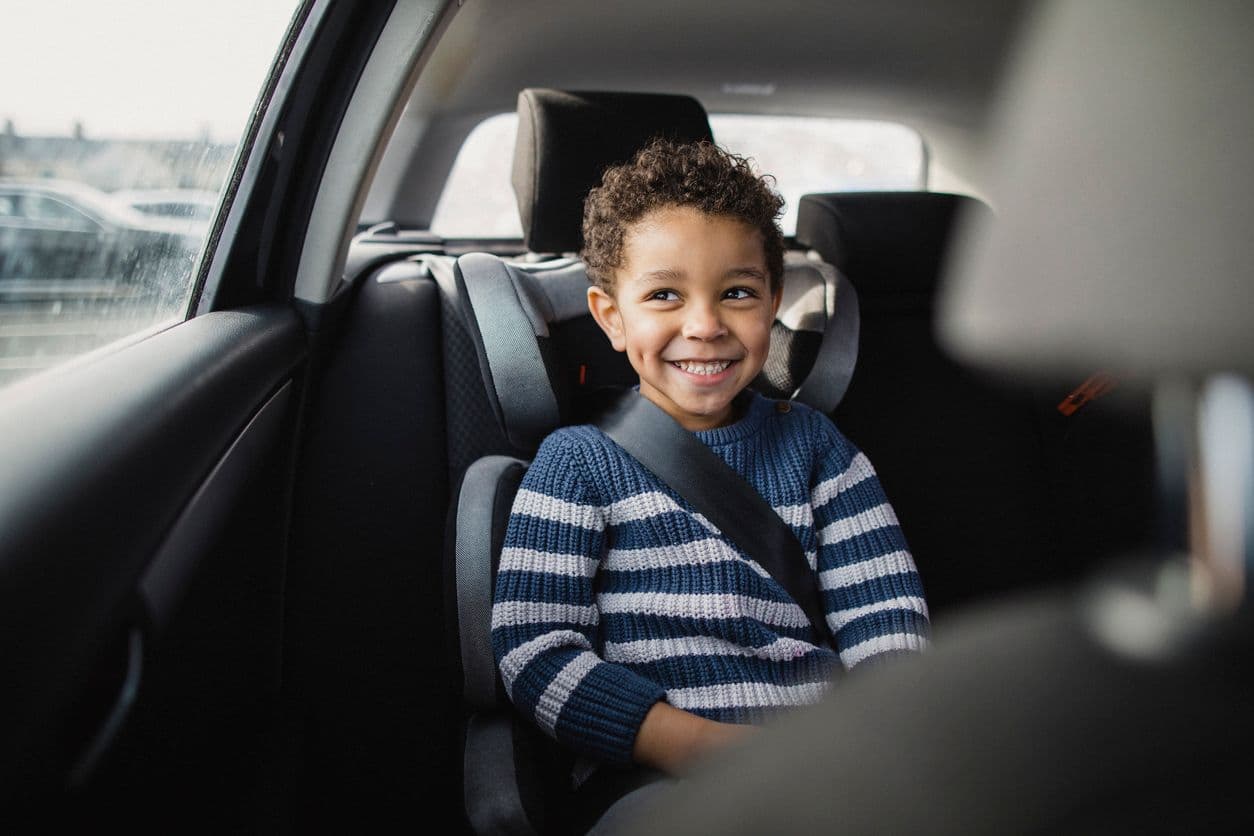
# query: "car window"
102, 104
807, 155
803, 154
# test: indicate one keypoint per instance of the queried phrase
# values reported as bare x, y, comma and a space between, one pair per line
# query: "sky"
142, 69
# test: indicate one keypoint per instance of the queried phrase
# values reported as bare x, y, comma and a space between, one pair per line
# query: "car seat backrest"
894, 242
959, 459
995, 490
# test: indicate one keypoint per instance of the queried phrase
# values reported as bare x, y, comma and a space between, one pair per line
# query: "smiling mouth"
705, 368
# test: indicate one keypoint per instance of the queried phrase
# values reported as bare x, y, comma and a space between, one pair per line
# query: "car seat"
541, 360
985, 473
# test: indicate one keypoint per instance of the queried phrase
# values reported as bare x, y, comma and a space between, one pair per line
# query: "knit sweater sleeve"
872, 595
545, 618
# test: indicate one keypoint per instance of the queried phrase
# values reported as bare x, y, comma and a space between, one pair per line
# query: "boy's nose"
702, 322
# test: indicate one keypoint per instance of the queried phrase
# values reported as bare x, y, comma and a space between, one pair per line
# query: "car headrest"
565, 142
543, 358
1124, 199
886, 242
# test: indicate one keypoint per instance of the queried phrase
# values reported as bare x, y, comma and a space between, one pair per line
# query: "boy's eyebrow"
662, 274
747, 273
665, 274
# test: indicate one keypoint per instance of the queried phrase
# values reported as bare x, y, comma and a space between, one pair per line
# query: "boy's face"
692, 308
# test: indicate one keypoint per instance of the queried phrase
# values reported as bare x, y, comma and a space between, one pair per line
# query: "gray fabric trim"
473, 567
489, 779
630, 813
833, 368
439, 266
561, 284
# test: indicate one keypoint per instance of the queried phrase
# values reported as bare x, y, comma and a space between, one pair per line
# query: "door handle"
128, 691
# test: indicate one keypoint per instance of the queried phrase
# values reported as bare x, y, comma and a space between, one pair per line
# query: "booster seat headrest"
565, 142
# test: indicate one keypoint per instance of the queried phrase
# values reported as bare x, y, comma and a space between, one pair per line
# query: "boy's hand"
670, 739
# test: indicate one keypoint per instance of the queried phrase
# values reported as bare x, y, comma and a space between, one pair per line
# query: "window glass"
478, 200
803, 154
808, 155
118, 125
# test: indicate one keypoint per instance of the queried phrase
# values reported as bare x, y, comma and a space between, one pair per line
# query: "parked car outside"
51, 229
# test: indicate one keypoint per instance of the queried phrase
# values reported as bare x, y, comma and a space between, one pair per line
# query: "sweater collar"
755, 413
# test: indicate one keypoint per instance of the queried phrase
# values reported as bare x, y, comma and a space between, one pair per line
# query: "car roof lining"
935, 68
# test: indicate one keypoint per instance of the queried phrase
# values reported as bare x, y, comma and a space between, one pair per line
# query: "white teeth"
703, 368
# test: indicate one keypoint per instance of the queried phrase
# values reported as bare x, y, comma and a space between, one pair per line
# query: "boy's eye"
740, 293
663, 296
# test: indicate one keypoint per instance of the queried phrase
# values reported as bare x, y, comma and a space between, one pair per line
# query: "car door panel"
167, 576
146, 508
99, 461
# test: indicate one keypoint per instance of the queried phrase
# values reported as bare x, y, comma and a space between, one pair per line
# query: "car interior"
246, 563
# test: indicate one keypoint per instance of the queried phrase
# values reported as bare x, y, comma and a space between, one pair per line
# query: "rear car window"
803, 154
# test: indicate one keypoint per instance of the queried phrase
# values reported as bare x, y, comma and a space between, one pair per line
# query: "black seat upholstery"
896, 240
566, 140
995, 490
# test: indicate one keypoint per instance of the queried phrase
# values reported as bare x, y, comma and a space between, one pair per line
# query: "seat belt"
718, 492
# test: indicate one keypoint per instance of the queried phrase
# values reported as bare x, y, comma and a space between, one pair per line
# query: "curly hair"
665, 173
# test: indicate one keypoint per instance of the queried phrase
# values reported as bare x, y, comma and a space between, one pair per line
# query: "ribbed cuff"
604, 714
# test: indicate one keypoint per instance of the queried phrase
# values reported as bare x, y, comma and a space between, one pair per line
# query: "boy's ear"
777, 296
605, 311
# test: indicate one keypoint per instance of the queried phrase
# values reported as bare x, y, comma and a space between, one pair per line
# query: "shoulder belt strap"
713, 488
510, 358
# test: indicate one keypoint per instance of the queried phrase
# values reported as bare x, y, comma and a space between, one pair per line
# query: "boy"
623, 623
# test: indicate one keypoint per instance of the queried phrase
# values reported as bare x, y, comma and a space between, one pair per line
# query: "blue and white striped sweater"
613, 593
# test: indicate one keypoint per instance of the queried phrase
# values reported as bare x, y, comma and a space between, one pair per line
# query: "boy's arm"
872, 594
670, 738
545, 619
